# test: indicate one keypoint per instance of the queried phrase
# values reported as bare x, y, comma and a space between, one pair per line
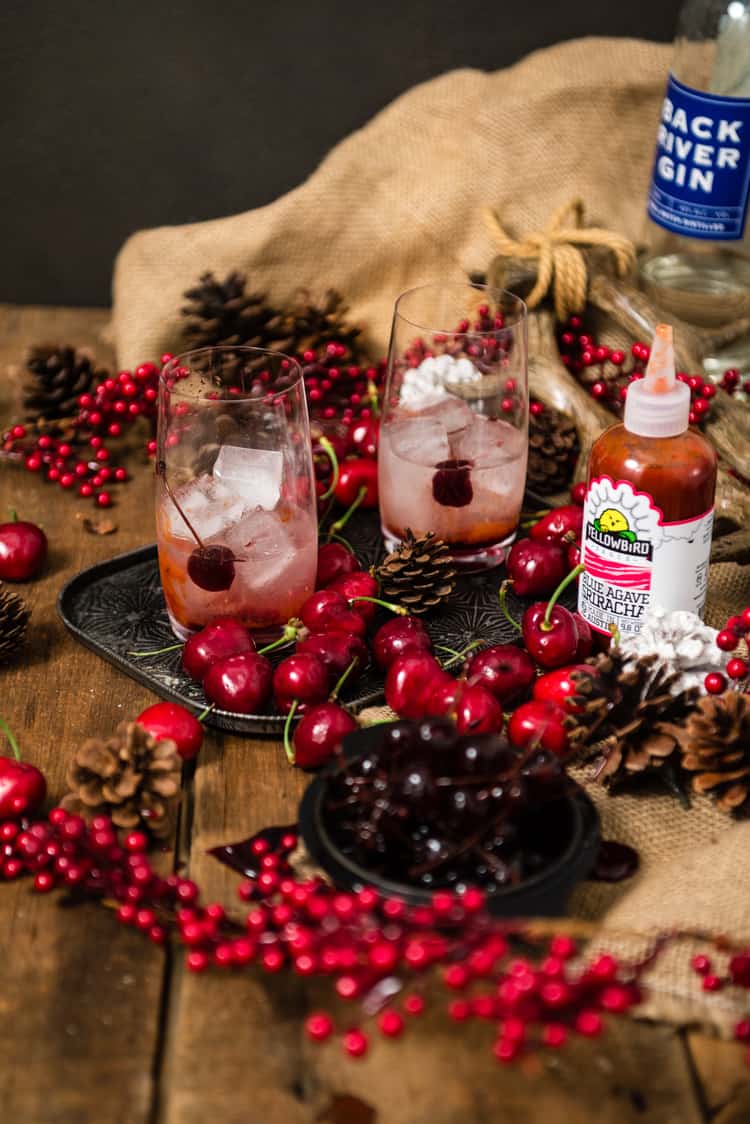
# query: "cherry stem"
9, 735
156, 652
13, 515
335, 692
502, 593
342, 522
373, 398
456, 657
161, 470
291, 632
330, 452
288, 747
204, 713
615, 633
536, 517
339, 538
399, 610
571, 577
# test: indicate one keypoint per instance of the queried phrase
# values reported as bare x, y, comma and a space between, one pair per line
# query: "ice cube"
208, 505
263, 546
253, 474
421, 440
452, 413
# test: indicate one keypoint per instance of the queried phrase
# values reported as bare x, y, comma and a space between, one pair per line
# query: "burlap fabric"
399, 203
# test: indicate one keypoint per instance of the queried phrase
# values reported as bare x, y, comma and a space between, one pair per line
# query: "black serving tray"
117, 607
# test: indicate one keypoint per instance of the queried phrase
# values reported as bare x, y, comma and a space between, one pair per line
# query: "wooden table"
99, 1026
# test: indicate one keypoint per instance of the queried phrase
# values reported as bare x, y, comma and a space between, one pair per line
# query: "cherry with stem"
209, 567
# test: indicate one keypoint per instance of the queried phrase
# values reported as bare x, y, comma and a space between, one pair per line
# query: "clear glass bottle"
698, 261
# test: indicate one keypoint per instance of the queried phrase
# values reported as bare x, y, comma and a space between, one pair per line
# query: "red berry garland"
377, 951
607, 372
738, 668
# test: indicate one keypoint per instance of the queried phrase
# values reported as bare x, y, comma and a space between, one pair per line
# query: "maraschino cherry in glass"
454, 429
236, 516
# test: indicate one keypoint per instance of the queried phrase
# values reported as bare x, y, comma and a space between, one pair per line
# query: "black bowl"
543, 894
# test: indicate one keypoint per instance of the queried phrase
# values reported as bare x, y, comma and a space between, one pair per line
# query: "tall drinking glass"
454, 432
236, 515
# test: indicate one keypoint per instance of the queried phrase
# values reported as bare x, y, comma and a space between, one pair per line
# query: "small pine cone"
59, 375
628, 715
419, 574
318, 322
715, 744
553, 451
14, 617
223, 313
130, 776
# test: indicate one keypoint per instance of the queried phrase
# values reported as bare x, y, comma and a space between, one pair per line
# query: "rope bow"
561, 264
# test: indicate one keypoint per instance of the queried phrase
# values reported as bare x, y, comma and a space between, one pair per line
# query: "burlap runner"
400, 202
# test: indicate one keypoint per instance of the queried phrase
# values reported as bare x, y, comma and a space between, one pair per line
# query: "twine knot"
561, 264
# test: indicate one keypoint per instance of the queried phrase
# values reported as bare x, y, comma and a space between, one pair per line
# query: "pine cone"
131, 777
419, 574
628, 715
317, 323
222, 312
60, 374
14, 617
553, 451
715, 743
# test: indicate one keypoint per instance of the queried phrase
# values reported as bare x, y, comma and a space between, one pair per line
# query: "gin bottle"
698, 262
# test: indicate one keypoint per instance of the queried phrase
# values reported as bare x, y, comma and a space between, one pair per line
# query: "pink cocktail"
454, 436
236, 519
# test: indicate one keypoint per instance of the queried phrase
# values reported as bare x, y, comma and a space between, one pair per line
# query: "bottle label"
633, 558
701, 176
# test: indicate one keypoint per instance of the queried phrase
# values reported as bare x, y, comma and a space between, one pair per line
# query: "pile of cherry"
332, 646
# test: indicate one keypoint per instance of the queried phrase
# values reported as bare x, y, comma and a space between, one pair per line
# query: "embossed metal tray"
117, 607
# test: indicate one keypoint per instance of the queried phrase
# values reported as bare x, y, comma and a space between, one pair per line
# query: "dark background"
116, 116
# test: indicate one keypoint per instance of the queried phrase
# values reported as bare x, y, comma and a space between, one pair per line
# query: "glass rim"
520, 319
245, 397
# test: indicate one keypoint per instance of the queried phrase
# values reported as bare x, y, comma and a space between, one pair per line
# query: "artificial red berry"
715, 683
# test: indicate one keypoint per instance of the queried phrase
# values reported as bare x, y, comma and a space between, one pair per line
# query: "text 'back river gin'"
698, 264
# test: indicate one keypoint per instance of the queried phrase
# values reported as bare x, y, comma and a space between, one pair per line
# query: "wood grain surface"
97, 1026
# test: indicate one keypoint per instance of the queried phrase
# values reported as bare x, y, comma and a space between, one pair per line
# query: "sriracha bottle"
649, 505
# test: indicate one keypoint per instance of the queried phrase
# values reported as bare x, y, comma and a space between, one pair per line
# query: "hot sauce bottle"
649, 505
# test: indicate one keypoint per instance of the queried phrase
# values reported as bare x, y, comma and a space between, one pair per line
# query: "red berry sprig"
607, 372
737, 668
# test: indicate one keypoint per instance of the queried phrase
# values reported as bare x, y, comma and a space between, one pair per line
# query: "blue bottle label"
701, 177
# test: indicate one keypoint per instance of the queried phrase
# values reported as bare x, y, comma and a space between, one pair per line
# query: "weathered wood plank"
723, 1074
79, 996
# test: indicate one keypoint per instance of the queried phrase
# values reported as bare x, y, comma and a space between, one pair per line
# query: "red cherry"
23, 551
22, 788
408, 682
211, 567
170, 720
355, 475
239, 683
558, 522
327, 611
441, 698
224, 637
554, 644
358, 584
398, 637
302, 678
477, 711
319, 734
505, 670
585, 638
451, 484
536, 568
334, 560
336, 650
578, 493
364, 436
558, 686
573, 555
542, 722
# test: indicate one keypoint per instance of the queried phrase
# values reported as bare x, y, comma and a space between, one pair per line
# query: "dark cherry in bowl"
565, 831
